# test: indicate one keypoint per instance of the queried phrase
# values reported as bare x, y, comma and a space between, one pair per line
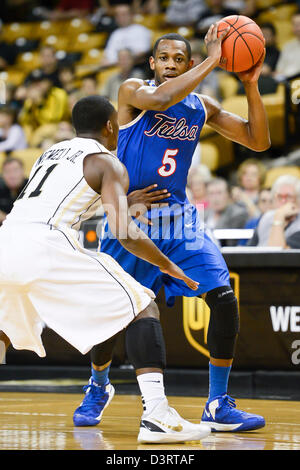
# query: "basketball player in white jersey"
47, 277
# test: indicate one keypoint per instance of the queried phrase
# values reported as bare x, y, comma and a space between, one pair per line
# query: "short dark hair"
173, 37
12, 160
270, 26
91, 113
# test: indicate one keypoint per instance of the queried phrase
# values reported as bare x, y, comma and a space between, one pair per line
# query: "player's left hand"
173, 270
252, 75
140, 200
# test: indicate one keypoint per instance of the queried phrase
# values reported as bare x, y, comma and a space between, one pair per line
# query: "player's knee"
145, 344
224, 322
151, 311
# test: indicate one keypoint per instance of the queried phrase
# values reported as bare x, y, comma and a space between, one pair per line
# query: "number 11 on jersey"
169, 163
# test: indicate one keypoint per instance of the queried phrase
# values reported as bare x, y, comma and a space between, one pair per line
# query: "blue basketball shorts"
184, 241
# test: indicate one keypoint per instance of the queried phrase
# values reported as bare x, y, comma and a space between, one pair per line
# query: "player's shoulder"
132, 84
211, 105
104, 161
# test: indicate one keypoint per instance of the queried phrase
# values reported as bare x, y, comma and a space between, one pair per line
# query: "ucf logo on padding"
196, 314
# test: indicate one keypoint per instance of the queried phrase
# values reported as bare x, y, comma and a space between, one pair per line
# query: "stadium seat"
13, 75
153, 22
28, 61
104, 75
261, 4
209, 155
274, 173
48, 28
77, 26
84, 42
228, 85
91, 57
2, 159
28, 157
12, 31
58, 42
275, 108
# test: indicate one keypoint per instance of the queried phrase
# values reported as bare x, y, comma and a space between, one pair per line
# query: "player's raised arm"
173, 63
252, 133
109, 177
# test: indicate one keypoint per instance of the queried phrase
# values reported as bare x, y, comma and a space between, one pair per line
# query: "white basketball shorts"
47, 278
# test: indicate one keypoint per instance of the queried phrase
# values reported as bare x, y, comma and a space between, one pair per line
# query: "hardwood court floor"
43, 421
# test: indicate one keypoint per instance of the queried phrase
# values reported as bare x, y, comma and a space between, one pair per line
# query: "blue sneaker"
97, 398
221, 414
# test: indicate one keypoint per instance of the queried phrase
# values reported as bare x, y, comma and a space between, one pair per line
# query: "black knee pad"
145, 344
224, 322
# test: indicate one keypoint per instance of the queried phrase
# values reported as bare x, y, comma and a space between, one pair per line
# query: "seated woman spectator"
264, 204
198, 178
251, 176
11, 184
12, 136
280, 227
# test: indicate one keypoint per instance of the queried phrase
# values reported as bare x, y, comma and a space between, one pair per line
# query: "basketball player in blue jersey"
160, 124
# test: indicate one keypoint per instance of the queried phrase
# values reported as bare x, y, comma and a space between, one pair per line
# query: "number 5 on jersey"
169, 163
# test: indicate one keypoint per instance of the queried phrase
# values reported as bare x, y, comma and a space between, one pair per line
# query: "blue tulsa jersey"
158, 146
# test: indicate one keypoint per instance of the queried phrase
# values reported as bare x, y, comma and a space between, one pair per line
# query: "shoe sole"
215, 427
149, 437
98, 420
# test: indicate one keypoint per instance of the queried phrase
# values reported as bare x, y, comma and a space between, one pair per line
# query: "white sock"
152, 390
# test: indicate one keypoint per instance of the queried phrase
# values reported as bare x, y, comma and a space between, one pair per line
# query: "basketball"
244, 44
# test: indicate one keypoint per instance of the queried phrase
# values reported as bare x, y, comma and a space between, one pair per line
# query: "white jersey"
57, 193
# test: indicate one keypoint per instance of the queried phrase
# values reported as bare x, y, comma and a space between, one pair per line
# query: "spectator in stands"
64, 131
222, 212
8, 52
288, 64
210, 85
272, 51
66, 75
184, 12
251, 176
127, 70
44, 105
128, 35
11, 184
67, 9
198, 178
243, 7
89, 86
12, 136
264, 204
280, 227
215, 10
49, 66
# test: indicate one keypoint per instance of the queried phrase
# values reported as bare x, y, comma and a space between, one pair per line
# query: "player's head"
171, 57
94, 116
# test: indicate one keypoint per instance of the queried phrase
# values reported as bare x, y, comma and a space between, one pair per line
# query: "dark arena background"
66, 45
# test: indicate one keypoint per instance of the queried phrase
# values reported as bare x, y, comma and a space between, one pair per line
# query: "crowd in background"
37, 112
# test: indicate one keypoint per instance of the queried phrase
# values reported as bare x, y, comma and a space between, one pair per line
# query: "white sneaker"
165, 425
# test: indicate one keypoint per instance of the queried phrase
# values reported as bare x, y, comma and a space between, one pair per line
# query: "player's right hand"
214, 43
140, 200
174, 271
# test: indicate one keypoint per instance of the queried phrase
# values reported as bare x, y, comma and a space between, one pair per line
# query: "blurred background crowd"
54, 52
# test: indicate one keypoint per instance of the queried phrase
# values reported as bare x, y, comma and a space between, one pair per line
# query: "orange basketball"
243, 45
